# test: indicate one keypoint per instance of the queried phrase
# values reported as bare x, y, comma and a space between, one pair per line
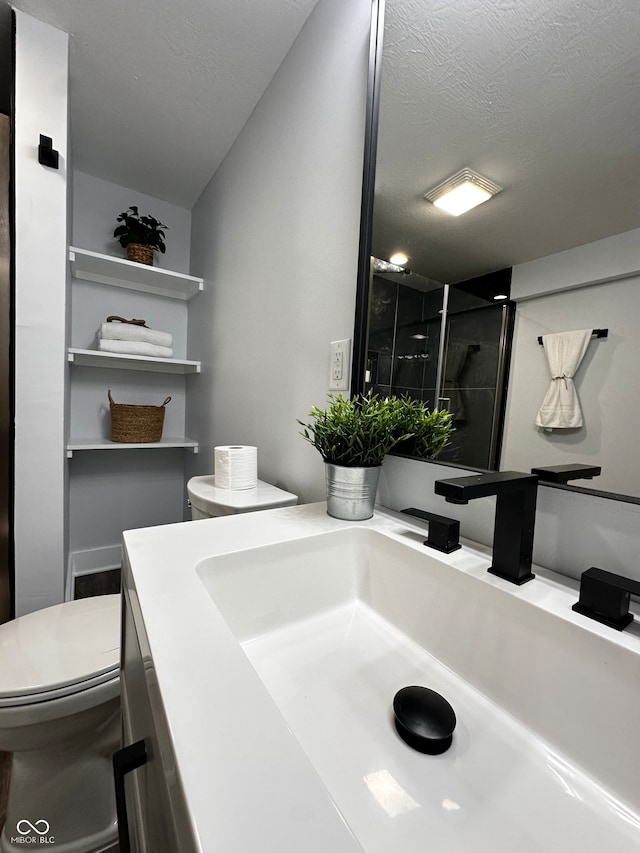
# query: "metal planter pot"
351, 492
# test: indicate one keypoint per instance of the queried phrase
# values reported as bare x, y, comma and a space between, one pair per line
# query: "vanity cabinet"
155, 815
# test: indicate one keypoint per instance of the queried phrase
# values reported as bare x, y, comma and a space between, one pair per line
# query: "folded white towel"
135, 348
560, 408
130, 332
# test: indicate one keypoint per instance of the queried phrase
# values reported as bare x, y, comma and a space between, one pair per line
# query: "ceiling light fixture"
461, 192
500, 296
399, 259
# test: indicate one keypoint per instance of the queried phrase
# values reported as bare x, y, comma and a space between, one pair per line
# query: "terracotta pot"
140, 254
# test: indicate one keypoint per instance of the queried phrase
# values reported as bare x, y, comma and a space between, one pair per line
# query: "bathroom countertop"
247, 782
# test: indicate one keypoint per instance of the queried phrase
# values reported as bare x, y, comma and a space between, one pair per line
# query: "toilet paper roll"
236, 466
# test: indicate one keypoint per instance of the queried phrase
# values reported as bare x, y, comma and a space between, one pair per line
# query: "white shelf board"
118, 272
78, 444
97, 358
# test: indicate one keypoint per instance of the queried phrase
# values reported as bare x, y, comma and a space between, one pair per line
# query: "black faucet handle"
604, 596
444, 533
562, 474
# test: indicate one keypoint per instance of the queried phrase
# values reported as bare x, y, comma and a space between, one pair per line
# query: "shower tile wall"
400, 363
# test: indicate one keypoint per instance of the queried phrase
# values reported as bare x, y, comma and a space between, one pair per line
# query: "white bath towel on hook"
560, 408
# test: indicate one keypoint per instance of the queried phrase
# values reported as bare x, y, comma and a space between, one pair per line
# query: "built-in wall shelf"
118, 272
97, 358
83, 444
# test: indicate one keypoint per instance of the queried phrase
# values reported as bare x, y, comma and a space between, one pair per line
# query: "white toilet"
60, 717
208, 501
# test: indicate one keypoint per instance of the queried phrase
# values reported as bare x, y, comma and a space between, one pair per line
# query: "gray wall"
40, 257
96, 203
112, 491
606, 383
275, 234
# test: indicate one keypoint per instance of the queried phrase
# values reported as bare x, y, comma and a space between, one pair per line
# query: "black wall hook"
47, 155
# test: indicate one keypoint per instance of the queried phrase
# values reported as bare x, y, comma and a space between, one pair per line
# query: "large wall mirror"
541, 99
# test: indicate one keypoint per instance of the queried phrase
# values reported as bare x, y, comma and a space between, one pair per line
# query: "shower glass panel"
407, 316
473, 379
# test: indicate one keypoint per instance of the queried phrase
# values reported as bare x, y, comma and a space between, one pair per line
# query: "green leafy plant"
429, 431
145, 230
361, 431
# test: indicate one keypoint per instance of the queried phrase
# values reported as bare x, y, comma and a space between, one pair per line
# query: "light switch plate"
340, 365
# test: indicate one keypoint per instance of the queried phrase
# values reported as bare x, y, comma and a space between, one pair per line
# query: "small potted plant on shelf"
354, 435
140, 235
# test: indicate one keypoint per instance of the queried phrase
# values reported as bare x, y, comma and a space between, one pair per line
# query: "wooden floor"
97, 583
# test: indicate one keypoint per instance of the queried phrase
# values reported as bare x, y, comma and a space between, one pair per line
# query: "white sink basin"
545, 755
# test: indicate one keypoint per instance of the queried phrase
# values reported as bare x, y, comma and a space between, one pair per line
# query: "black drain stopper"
424, 719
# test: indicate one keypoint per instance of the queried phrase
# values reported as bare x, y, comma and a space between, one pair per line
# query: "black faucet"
515, 517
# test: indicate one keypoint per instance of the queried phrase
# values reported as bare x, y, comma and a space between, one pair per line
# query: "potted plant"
354, 435
140, 235
429, 431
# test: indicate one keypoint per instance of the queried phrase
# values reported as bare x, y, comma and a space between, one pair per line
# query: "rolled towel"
130, 332
135, 348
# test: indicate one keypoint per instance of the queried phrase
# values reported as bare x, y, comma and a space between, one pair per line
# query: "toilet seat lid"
66, 644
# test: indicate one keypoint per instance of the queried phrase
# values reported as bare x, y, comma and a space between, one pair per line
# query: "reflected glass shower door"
447, 347
473, 385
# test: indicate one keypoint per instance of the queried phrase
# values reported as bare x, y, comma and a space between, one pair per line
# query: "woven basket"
140, 254
136, 424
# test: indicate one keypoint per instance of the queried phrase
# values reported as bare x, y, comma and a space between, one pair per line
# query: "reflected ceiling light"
389, 793
500, 296
461, 192
399, 259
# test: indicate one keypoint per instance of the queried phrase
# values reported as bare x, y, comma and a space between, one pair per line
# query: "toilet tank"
208, 501
197, 513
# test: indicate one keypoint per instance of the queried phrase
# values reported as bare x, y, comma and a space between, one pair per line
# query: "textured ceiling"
540, 96
159, 89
